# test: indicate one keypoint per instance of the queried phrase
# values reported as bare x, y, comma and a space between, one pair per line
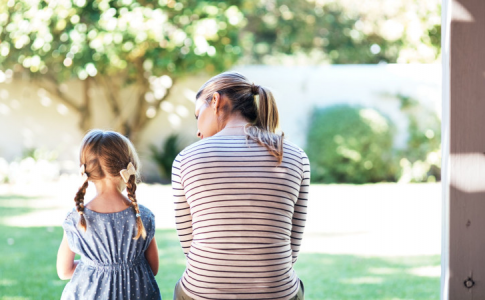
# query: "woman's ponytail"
267, 121
267, 111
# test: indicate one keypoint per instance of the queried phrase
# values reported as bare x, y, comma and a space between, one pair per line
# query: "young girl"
112, 233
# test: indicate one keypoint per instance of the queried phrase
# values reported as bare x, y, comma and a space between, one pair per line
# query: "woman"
240, 197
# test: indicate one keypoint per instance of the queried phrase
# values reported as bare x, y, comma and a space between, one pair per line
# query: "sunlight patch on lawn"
326, 261
39, 218
7, 282
428, 271
362, 280
383, 271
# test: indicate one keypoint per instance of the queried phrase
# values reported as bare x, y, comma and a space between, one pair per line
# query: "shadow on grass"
28, 270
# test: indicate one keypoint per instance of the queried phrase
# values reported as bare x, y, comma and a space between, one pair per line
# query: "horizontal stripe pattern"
240, 217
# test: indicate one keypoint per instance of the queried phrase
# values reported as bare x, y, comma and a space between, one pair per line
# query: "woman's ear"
216, 102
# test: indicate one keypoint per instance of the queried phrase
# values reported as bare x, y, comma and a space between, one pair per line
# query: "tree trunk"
84, 111
129, 123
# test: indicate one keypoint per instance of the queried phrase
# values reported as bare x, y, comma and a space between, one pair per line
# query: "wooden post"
463, 255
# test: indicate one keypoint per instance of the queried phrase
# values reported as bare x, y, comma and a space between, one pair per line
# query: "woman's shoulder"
194, 147
187, 149
216, 141
200, 143
290, 146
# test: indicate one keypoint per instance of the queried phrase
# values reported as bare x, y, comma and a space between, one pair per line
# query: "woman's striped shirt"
240, 217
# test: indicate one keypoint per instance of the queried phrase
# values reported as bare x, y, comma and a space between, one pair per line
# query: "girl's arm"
151, 254
65, 260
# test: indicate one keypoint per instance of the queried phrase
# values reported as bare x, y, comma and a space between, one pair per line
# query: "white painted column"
445, 146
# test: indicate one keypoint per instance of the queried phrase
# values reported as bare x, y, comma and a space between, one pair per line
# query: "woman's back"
240, 217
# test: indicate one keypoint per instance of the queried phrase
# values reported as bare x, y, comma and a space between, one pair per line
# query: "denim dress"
113, 264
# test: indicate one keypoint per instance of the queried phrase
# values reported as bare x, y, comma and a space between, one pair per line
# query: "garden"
373, 228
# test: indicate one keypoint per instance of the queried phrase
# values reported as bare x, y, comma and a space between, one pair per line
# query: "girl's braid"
131, 189
79, 200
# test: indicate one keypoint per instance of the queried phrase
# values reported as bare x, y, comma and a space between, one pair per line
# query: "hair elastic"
254, 89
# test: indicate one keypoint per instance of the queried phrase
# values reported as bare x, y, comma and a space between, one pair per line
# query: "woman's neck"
234, 126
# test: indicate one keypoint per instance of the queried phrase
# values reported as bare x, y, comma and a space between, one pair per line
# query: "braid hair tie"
126, 173
84, 175
138, 215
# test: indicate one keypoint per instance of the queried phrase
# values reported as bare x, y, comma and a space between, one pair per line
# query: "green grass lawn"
28, 268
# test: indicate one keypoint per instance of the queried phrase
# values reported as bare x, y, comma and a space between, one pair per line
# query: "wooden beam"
463, 149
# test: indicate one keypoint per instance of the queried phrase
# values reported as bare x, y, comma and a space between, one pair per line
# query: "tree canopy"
111, 44
342, 32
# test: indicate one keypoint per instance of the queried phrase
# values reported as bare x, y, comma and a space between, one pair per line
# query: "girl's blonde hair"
108, 152
256, 103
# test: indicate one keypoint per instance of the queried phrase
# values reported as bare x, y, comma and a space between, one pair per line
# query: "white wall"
298, 89
25, 122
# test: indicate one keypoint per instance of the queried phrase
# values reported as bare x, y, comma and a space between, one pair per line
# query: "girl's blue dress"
113, 264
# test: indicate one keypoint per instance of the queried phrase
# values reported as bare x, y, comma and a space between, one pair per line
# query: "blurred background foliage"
341, 32
420, 160
351, 144
111, 44
165, 155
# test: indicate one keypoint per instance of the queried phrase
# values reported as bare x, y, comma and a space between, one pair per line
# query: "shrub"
350, 144
35, 165
165, 156
420, 160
